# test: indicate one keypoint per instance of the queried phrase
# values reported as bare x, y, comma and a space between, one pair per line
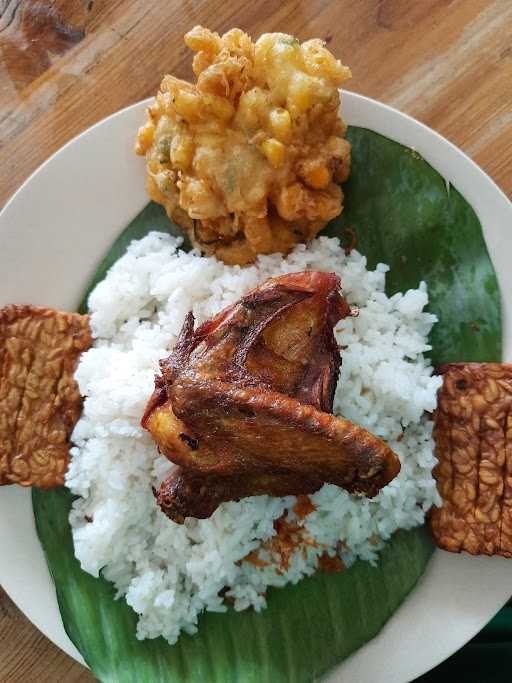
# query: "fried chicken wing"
188, 494
243, 403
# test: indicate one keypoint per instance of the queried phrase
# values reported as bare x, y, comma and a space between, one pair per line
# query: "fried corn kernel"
259, 130
181, 151
145, 137
274, 151
314, 173
218, 107
281, 124
39, 398
473, 435
188, 105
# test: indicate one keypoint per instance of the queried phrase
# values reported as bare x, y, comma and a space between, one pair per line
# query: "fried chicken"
243, 404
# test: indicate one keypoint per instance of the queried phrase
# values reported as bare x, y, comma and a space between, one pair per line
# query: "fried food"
248, 159
39, 398
473, 435
243, 403
187, 493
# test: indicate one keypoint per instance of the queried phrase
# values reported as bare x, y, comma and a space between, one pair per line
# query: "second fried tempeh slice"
39, 398
473, 434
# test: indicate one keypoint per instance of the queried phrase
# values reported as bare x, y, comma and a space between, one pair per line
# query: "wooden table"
65, 64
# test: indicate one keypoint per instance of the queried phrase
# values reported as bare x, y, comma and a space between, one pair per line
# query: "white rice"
169, 573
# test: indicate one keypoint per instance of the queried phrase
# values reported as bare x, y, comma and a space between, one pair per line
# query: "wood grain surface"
65, 64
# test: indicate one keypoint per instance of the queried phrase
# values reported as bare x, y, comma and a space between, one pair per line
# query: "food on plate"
248, 159
269, 445
473, 435
260, 447
187, 493
241, 403
170, 573
39, 398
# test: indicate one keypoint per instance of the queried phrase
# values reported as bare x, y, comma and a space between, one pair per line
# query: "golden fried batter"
248, 159
39, 398
243, 403
473, 435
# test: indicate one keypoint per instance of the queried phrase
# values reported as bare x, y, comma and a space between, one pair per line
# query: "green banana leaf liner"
399, 211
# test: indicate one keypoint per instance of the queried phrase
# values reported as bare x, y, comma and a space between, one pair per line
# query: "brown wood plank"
26, 656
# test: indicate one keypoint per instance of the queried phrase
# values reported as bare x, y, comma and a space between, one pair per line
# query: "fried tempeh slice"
243, 403
39, 398
473, 435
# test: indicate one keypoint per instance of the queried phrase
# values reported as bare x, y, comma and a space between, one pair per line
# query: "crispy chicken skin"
187, 494
243, 403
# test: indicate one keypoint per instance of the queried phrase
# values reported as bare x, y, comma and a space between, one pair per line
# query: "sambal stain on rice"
169, 573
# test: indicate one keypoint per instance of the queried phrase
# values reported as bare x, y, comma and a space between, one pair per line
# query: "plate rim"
374, 112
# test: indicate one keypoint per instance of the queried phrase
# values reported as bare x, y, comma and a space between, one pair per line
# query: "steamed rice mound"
170, 573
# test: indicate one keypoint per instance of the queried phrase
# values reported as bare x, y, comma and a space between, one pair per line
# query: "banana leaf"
401, 212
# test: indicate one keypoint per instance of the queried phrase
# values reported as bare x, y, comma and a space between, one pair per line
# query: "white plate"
53, 233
